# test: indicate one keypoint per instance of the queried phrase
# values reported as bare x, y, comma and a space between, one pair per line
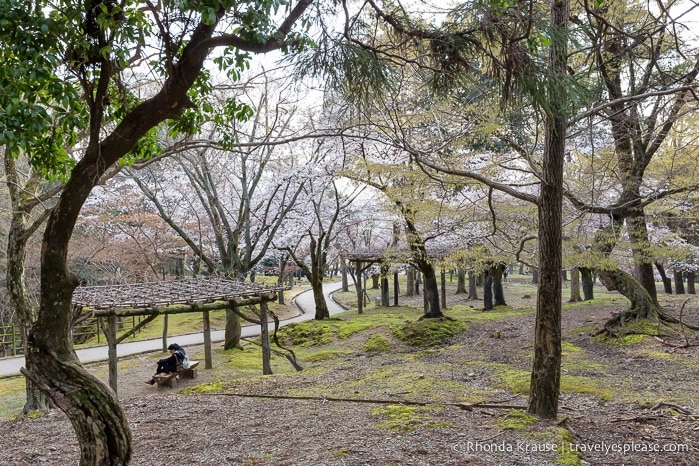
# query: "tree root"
609, 328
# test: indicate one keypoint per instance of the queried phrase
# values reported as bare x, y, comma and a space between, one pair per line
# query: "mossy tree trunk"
575, 285
588, 284
642, 303
24, 197
410, 282
461, 281
638, 234
496, 272
667, 282
472, 287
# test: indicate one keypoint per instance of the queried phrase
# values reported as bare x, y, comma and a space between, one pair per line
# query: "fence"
91, 328
10, 340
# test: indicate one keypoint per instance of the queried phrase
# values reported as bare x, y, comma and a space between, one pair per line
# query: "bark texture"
546, 367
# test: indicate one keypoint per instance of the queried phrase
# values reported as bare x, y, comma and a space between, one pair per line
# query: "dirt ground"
633, 404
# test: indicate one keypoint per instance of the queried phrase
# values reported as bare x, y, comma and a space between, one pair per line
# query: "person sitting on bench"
171, 363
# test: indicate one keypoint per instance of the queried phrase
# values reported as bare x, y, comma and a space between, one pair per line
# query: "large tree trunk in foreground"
92, 407
546, 367
16, 286
22, 197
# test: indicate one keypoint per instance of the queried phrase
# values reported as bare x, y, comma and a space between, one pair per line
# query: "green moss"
563, 438
499, 312
428, 332
516, 420
203, 388
324, 355
518, 381
377, 343
400, 418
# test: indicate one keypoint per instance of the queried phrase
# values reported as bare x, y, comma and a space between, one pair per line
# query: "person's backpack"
183, 360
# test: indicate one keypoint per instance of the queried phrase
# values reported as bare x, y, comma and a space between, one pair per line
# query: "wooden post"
112, 351
208, 363
264, 336
396, 289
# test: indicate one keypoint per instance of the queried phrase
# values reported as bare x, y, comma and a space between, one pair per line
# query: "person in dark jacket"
171, 363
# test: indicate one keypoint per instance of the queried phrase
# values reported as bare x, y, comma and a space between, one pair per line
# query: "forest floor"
368, 397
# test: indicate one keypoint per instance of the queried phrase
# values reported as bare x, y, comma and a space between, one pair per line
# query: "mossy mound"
377, 343
428, 332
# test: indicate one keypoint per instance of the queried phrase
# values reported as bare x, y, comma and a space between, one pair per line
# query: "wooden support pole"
208, 362
264, 337
112, 351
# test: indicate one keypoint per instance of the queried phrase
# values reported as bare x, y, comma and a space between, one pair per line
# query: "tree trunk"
679, 283
487, 290
546, 367
443, 286
535, 275
264, 339
410, 282
496, 272
638, 234
460, 281
345, 281
385, 291
15, 276
641, 302
434, 309
418, 282
374, 281
667, 282
472, 288
19, 297
322, 311
574, 285
233, 331
588, 284
690, 283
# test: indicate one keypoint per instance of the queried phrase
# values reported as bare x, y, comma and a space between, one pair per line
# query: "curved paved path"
11, 366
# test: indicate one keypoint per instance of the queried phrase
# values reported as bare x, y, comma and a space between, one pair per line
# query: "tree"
645, 82
27, 193
99, 42
547, 85
330, 209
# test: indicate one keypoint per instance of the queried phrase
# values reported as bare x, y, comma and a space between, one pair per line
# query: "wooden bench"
168, 380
